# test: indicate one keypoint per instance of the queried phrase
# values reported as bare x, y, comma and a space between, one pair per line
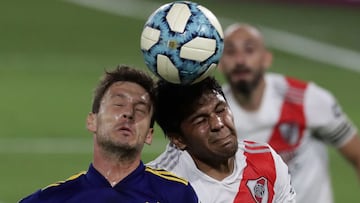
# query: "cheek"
201, 130
226, 63
226, 60
116, 116
142, 125
253, 62
107, 117
257, 60
192, 132
228, 119
229, 64
199, 133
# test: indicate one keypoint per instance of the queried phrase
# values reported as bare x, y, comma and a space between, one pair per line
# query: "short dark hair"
128, 74
176, 102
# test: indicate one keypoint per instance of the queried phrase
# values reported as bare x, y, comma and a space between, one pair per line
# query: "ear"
149, 136
268, 58
91, 122
177, 140
220, 66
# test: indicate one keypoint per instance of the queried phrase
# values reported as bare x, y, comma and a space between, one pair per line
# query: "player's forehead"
209, 101
129, 91
243, 33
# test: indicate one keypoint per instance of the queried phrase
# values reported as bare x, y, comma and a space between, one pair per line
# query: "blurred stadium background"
52, 53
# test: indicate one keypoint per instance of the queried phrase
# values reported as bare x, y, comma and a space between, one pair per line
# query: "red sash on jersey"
289, 130
259, 175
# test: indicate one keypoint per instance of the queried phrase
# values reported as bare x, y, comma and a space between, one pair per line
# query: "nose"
128, 114
239, 57
216, 122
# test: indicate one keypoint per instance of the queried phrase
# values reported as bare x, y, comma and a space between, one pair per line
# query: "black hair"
176, 102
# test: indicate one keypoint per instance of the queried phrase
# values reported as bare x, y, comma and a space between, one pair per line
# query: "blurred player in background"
199, 122
296, 118
121, 122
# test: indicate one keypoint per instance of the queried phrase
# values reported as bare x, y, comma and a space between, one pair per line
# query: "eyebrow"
195, 116
139, 101
118, 95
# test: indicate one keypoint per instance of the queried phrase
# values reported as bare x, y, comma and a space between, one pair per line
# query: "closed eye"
199, 120
221, 107
143, 111
142, 108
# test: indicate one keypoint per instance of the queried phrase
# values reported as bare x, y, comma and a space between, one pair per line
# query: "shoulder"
257, 151
312, 90
275, 78
285, 83
168, 159
165, 176
320, 105
226, 88
252, 147
294, 87
316, 93
257, 155
173, 187
314, 97
284, 86
263, 166
262, 161
261, 158
56, 192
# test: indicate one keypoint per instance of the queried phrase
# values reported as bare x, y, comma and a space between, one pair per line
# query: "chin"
230, 149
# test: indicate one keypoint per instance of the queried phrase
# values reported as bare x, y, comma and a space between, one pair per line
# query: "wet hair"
177, 102
127, 74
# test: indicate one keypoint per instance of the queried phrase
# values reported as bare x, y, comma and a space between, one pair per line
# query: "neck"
112, 167
251, 101
216, 170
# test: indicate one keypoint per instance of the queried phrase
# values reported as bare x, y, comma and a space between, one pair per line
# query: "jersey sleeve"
31, 198
172, 187
284, 192
167, 160
186, 195
326, 118
40, 197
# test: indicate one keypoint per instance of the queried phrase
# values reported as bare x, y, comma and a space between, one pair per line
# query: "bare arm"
351, 151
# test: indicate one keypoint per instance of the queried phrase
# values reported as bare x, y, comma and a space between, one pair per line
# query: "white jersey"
296, 118
259, 176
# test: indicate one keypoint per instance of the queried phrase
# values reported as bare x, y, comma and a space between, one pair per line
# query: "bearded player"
296, 118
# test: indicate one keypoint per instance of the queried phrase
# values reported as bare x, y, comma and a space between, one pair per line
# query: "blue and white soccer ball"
182, 42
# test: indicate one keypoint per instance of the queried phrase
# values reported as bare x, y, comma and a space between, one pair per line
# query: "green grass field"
53, 52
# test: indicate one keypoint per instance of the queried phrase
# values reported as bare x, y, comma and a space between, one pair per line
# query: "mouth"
126, 131
240, 73
223, 140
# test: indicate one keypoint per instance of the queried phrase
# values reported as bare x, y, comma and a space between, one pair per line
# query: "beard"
120, 151
242, 86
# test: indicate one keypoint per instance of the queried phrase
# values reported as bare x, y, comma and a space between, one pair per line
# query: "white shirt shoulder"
325, 116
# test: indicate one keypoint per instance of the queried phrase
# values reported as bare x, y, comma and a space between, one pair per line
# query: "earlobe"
268, 59
149, 136
91, 122
219, 66
177, 140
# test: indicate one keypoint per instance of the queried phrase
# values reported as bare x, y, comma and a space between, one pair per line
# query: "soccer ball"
182, 42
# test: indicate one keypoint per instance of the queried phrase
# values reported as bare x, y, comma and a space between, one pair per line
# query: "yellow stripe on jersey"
63, 181
167, 175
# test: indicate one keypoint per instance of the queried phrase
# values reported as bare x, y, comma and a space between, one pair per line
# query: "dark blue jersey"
144, 185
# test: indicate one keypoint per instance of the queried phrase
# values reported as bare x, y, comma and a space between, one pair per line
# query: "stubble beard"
246, 88
121, 152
